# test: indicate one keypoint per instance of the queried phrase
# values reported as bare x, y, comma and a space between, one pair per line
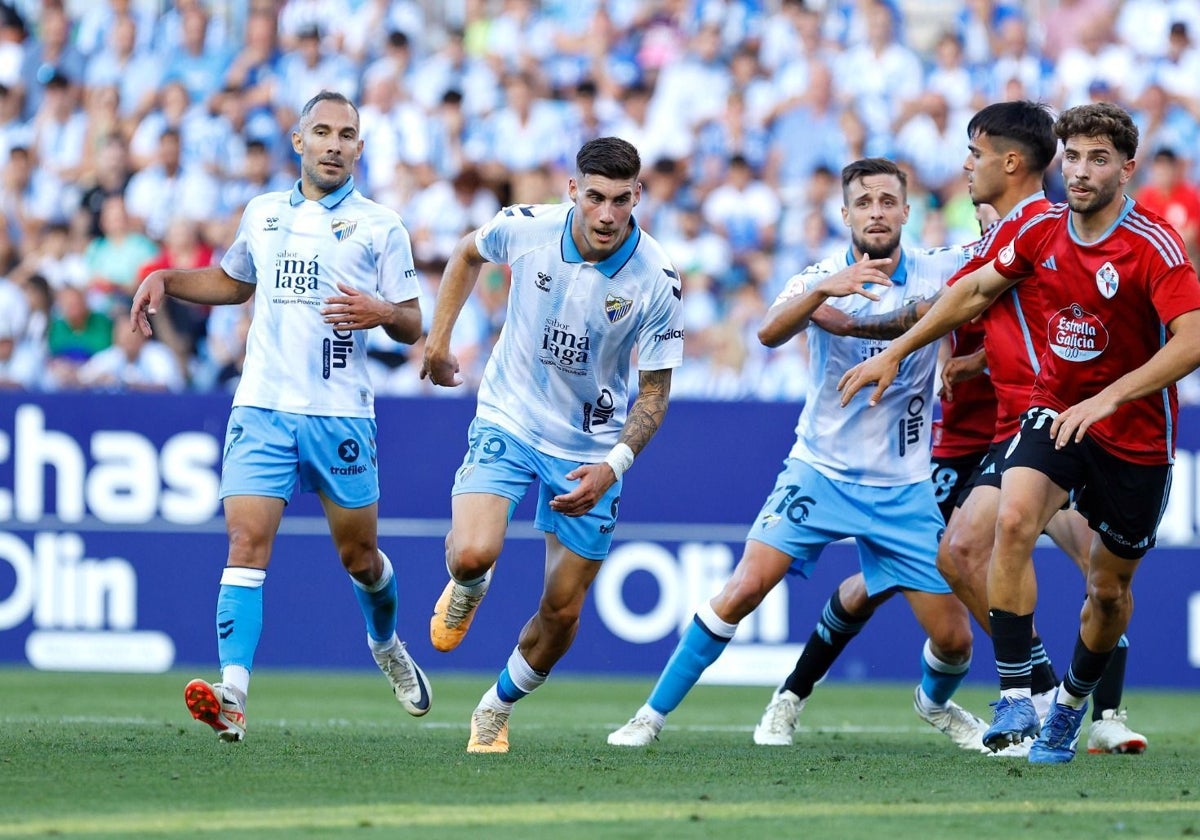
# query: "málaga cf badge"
343, 229
617, 308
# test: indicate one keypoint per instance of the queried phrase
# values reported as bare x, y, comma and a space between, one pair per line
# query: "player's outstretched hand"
146, 302
879, 369
440, 367
594, 481
355, 310
1073, 423
855, 278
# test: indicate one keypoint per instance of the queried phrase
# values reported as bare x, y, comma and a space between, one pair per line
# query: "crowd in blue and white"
132, 133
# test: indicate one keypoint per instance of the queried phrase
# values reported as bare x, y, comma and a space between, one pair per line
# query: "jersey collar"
329, 200
1029, 199
614, 262
1125, 208
899, 276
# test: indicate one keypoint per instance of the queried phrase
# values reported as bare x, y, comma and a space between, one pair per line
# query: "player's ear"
637, 192
297, 142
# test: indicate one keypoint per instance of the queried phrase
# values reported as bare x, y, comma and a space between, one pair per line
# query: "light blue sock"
703, 641
239, 615
378, 603
518, 678
939, 680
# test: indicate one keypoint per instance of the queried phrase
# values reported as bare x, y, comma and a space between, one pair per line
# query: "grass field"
332, 755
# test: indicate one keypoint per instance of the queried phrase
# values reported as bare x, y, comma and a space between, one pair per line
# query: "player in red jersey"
1122, 321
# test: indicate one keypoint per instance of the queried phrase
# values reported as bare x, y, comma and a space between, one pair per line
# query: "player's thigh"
805, 512
971, 531
261, 455
759, 570
1029, 498
589, 535
495, 475
1070, 531
251, 523
338, 459
899, 548
1123, 501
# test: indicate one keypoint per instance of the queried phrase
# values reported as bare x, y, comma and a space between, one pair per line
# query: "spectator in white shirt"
133, 363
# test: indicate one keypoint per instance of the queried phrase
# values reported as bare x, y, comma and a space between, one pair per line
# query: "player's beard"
876, 250
324, 182
1101, 198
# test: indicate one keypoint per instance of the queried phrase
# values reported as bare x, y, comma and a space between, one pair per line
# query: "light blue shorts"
499, 464
896, 529
268, 452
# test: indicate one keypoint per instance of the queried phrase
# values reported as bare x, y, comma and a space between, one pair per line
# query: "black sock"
1112, 684
1087, 666
833, 632
1012, 637
1043, 677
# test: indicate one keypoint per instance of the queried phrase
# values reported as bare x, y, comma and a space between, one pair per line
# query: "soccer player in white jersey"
589, 287
323, 264
859, 474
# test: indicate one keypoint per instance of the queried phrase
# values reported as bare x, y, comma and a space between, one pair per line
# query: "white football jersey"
887, 445
558, 377
296, 251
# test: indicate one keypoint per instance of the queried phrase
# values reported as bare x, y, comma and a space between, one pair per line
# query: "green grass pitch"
333, 755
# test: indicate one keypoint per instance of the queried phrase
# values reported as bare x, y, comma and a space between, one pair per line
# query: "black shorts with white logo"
990, 468
1123, 501
951, 478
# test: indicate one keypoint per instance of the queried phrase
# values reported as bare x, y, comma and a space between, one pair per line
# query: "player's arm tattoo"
894, 324
647, 412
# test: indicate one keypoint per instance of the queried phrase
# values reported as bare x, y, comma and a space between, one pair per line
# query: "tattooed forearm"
890, 324
647, 412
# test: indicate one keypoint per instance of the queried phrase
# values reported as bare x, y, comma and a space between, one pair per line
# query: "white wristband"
620, 458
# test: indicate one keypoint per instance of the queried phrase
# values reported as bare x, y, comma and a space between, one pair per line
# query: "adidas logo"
1050, 264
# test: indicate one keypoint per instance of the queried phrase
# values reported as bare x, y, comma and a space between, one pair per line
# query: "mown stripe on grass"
558, 813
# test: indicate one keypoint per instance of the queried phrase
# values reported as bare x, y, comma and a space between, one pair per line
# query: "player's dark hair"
1100, 119
610, 157
852, 172
1027, 125
325, 96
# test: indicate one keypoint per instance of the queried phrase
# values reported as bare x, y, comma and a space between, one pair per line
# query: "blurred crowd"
133, 133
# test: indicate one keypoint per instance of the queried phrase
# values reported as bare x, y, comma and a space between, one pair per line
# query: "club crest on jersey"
1007, 253
343, 229
1107, 280
617, 308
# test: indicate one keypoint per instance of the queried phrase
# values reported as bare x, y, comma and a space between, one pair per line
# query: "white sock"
380, 647
491, 700
236, 676
647, 712
1066, 698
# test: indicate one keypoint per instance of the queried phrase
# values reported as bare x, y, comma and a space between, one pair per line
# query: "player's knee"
953, 643
467, 560
1016, 526
248, 547
1108, 592
740, 597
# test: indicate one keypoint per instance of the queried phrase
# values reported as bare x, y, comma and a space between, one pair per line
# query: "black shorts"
950, 478
1123, 501
990, 468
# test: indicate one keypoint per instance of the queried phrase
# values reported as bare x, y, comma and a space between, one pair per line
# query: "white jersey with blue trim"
296, 251
558, 377
886, 445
